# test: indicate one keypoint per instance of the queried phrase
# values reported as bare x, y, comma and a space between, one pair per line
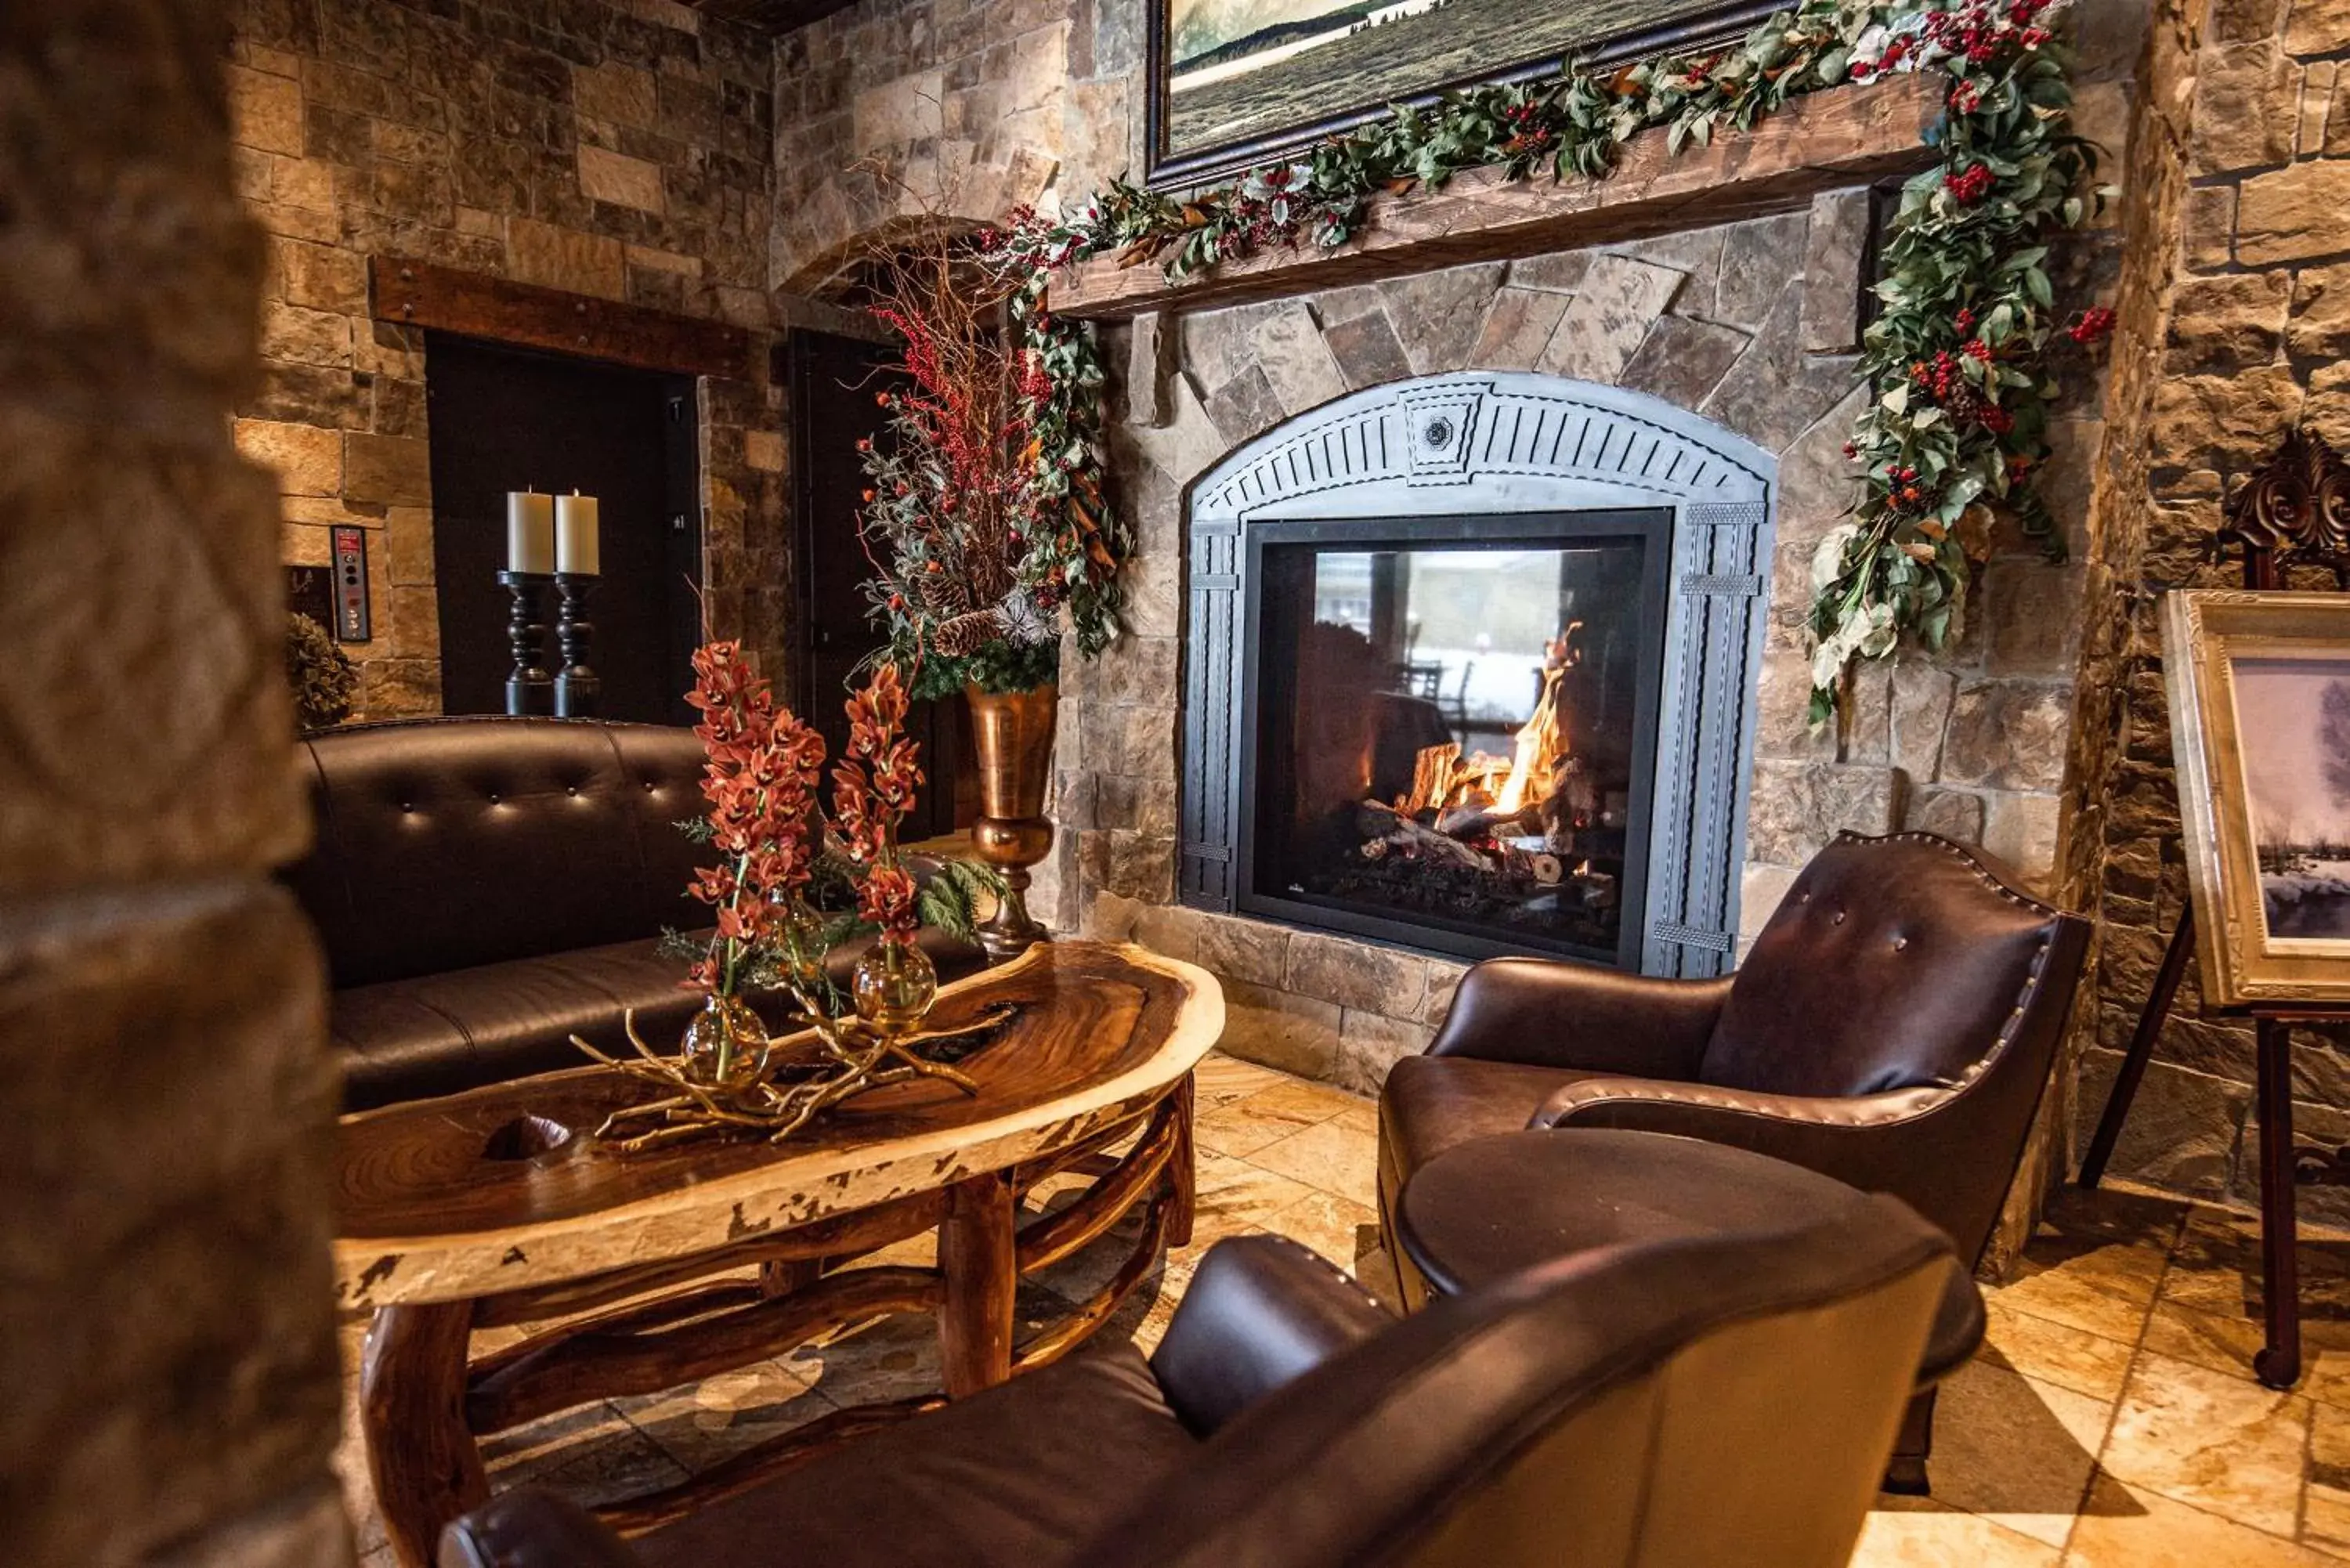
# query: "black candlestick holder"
529, 687
575, 686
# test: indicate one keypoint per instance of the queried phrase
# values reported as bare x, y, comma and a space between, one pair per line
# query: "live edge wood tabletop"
643, 1272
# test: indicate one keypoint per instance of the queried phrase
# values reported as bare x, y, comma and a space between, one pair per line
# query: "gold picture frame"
2259, 685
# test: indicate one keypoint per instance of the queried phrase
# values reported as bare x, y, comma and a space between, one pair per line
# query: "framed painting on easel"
2260, 715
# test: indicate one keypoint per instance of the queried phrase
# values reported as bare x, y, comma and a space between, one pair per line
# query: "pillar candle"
530, 532
576, 548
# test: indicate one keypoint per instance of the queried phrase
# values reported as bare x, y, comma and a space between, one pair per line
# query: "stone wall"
614, 148
166, 1332
894, 109
2234, 322
1970, 742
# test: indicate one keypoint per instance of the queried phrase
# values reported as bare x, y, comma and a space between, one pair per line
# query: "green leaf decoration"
1957, 359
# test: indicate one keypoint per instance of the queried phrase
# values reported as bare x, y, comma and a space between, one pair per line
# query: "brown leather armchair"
1727, 1400
1892, 1027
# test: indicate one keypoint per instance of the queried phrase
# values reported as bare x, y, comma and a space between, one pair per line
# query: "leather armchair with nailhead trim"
1720, 1399
1892, 1027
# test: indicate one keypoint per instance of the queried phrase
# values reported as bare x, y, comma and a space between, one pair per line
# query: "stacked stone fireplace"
1708, 377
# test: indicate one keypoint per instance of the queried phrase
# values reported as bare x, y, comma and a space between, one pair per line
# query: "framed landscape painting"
1236, 82
2260, 717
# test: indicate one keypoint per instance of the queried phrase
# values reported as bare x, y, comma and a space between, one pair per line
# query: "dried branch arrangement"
983, 519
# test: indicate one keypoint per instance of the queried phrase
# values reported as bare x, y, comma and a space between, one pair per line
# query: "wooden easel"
2279, 517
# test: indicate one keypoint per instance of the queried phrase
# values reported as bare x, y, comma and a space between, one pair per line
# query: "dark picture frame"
1180, 155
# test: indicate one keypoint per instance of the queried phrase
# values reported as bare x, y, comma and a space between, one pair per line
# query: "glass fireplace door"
1453, 725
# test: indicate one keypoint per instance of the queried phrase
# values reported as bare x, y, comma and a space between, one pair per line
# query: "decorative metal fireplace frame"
1484, 442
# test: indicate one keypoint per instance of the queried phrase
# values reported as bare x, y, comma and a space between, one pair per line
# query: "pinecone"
965, 635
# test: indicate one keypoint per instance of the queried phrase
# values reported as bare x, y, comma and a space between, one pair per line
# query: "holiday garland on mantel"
1957, 355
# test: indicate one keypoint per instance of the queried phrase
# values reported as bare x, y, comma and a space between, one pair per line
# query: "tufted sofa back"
1895, 963
447, 843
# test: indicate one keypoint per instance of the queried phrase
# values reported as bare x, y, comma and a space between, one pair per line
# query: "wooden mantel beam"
419, 294
1820, 141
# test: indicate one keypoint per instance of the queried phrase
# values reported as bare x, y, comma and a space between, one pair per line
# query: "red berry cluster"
1978, 30
1902, 491
1970, 184
1527, 133
1938, 377
2091, 325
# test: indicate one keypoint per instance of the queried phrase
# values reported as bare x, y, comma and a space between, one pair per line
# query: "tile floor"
2112, 1418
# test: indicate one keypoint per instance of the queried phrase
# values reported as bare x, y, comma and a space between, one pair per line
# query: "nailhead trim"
1332, 1270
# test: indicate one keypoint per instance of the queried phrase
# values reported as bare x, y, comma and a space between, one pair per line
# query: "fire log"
1390, 831
1483, 821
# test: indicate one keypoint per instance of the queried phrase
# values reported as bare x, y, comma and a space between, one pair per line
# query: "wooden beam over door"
419, 294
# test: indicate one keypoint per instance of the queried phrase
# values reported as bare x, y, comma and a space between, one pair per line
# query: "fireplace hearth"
1453, 723
1470, 669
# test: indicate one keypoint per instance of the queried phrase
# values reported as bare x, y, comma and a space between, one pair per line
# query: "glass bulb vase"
725, 1046
893, 987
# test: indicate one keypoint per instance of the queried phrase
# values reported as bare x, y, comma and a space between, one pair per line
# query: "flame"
1541, 742
1543, 739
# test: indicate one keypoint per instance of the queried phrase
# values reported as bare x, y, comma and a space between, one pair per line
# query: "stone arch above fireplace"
1481, 443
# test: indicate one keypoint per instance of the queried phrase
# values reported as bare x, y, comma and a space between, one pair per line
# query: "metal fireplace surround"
1474, 446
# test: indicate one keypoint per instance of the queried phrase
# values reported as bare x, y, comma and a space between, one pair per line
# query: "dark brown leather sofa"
1723, 1400
1893, 1027
485, 887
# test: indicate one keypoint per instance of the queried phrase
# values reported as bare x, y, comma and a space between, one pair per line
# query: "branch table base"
493, 1208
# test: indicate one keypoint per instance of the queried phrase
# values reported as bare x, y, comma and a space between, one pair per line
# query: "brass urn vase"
1013, 732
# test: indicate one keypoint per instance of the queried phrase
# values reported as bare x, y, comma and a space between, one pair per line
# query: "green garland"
1956, 355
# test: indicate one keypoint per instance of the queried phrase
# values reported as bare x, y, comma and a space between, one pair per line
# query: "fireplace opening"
1453, 725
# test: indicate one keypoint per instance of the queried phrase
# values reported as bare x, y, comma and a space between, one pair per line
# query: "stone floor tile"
1236, 1196
590, 1454
1219, 1078
2216, 1268
2129, 1527
1242, 1127
1919, 1532
2325, 1504
1331, 1158
1360, 1115
2213, 1440
705, 1423
2016, 1451
2050, 1352
1339, 1228
2227, 1343
2101, 1286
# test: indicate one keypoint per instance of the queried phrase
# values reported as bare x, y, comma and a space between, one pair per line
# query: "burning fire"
1541, 744
1515, 819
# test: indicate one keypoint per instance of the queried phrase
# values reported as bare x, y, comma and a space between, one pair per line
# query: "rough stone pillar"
166, 1331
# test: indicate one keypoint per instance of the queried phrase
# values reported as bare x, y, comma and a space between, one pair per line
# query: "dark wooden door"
834, 382
508, 419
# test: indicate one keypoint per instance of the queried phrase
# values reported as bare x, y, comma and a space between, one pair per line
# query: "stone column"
166, 1101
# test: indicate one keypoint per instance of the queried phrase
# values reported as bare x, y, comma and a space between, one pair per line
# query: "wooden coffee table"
493, 1209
